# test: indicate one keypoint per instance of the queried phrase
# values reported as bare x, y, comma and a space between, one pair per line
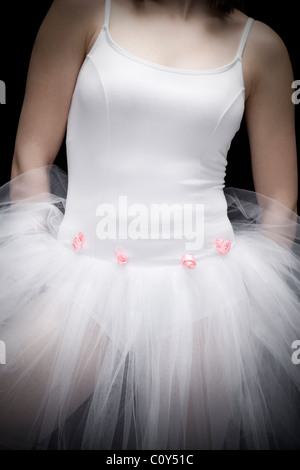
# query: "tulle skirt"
101, 356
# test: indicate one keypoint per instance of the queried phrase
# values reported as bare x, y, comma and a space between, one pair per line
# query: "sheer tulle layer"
107, 356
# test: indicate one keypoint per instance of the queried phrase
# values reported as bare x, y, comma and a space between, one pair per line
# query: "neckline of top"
166, 68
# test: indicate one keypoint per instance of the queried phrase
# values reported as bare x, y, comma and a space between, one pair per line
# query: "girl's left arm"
270, 116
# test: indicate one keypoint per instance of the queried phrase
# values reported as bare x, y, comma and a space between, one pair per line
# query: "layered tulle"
101, 355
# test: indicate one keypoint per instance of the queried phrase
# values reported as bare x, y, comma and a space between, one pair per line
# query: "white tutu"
107, 356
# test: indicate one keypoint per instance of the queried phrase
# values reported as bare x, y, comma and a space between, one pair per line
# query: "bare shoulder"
265, 51
266, 44
78, 8
262, 41
78, 17
69, 10
265, 55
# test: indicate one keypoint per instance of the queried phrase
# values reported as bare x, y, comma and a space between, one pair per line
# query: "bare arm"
270, 117
58, 53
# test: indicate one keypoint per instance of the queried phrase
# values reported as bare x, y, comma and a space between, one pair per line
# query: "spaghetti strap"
244, 37
107, 12
144, 305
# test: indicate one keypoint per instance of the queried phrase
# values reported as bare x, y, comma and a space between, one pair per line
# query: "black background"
20, 23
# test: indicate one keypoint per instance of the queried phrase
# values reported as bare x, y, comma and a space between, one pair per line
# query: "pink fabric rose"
188, 261
121, 257
78, 241
223, 246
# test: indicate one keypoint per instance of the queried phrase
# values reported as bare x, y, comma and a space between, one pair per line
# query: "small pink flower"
121, 257
78, 241
223, 246
188, 261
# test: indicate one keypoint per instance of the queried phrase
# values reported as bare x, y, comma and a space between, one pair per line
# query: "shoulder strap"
244, 37
107, 12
